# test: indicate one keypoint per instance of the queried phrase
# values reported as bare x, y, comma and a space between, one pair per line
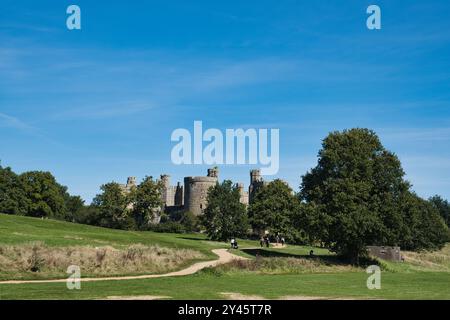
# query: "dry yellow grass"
37, 258
432, 261
276, 265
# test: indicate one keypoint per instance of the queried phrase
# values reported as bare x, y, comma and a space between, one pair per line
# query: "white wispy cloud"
415, 134
103, 111
13, 122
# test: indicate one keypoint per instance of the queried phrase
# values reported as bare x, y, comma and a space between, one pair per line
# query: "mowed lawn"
400, 283
418, 285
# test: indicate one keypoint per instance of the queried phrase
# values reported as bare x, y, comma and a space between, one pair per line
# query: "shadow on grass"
201, 239
326, 259
193, 238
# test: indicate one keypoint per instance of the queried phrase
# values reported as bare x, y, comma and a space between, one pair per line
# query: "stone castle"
192, 196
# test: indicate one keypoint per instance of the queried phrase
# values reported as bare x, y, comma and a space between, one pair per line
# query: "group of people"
280, 239
265, 240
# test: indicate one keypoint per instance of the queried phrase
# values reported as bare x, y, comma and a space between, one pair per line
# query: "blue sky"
100, 104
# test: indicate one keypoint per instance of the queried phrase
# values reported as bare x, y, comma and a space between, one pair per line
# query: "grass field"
19, 230
276, 273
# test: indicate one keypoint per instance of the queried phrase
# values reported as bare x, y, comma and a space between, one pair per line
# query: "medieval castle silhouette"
193, 195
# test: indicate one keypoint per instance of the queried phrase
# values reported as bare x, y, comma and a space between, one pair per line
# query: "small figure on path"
267, 241
282, 241
311, 253
261, 242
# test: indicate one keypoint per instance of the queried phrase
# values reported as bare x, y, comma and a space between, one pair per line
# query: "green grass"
19, 230
424, 277
208, 286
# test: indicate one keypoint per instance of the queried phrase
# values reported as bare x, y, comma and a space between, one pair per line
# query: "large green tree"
12, 195
272, 209
112, 207
423, 227
44, 196
443, 206
225, 216
146, 201
37, 194
358, 191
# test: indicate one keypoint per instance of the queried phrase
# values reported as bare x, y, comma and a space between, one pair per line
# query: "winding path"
224, 257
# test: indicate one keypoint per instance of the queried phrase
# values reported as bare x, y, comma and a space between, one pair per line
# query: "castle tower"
196, 191
255, 176
131, 182
165, 179
168, 192
244, 195
256, 182
179, 195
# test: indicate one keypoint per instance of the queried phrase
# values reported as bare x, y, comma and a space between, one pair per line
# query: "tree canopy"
360, 196
272, 209
36, 194
225, 216
12, 195
146, 201
112, 206
443, 206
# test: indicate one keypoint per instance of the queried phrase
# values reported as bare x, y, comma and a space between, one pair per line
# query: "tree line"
38, 194
355, 196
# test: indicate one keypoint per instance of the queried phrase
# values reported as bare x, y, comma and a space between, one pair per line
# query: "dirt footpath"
223, 254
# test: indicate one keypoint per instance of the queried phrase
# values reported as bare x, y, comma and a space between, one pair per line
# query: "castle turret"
131, 182
179, 195
213, 172
165, 179
255, 176
256, 182
244, 195
168, 192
